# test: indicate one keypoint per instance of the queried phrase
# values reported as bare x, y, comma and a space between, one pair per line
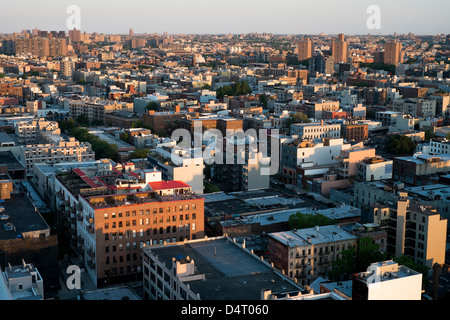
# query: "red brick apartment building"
110, 218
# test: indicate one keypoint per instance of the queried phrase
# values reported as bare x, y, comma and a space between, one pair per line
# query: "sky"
230, 16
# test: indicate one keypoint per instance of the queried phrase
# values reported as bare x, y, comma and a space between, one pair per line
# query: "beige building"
393, 53
305, 49
31, 131
70, 150
340, 49
414, 230
308, 253
95, 109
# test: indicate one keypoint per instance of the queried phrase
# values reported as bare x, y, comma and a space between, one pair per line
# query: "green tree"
367, 252
308, 220
429, 134
210, 188
448, 136
298, 117
399, 144
263, 99
343, 267
152, 106
139, 153
409, 263
82, 119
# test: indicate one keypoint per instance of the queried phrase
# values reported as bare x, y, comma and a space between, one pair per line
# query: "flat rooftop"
23, 217
230, 272
8, 158
314, 236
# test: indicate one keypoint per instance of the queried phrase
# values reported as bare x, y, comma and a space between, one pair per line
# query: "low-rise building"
209, 269
21, 282
387, 280
308, 253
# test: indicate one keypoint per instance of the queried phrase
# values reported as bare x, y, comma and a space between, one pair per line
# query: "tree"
448, 136
308, 220
298, 117
263, 99
429, 134
152, 106
139, 154
367, 252
399, 144
344, 266
409, 263
210, 188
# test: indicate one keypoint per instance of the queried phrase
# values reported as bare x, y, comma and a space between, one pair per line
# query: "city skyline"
196, 16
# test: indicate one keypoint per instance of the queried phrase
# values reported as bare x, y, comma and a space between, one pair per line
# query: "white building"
22, 282
315, 130
387, 280
404, 122
437, 147
177, 163
374, 169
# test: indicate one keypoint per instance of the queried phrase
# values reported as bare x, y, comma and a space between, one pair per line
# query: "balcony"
90, 230
79, 217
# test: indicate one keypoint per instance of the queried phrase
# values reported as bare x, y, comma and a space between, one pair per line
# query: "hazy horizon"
290, 17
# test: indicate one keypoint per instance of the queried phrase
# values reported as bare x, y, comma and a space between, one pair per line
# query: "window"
106, 226
105, 216
194, 216
113, 215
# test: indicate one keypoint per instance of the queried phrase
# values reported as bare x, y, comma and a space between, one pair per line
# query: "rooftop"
22, 218
316, 235
230, 272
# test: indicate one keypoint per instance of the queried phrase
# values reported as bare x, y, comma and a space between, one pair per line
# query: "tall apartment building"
75, 35
322, 64
414, 230
308, 253
41, 46
387, 280
110, 216
305, 49
60, 150
340, 49
66, 68
393, 53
